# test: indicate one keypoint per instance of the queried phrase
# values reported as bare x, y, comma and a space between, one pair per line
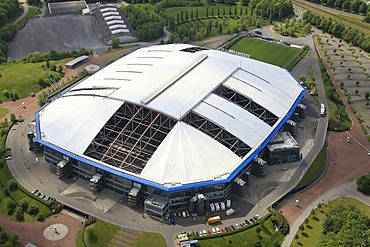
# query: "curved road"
25, 12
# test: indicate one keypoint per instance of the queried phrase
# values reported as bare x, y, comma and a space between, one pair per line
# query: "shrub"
363, 184
11, 205
40, 217
33, 210
3, 237
24, 205
19, 214
13, 186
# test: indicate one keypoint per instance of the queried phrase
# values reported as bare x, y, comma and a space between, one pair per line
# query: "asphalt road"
25, 12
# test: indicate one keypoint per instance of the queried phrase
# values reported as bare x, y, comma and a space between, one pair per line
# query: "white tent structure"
172, 115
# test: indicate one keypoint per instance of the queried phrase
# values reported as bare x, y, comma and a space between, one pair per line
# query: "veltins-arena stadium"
170, 127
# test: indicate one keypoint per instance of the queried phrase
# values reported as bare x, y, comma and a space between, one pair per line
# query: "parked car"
218, 230
200, 233
232, 227
222, 230
252, 220
204, 233
236, 225
209, 232
37, 160
213, 230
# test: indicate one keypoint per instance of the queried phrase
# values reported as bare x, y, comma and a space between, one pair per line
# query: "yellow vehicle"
214, 219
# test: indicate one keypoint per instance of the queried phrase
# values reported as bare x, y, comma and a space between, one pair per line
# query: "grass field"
313, 228
268, 52
101, 233
21, 78
150, 239
315, 168
261, 233
3, 112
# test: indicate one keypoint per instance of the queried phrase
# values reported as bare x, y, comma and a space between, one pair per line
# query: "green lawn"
313, 228
276, 54
315, 168
101, 233
150, 239
3, 112
21, 78
261, 233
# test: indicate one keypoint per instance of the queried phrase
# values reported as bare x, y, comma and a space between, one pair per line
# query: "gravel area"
59, 33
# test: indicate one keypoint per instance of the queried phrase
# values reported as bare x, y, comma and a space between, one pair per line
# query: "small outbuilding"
76, 62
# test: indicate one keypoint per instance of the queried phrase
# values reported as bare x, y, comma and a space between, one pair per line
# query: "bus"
214, 219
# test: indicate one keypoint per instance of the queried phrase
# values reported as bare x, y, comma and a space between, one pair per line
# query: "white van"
322, 110
212, 207
230, 212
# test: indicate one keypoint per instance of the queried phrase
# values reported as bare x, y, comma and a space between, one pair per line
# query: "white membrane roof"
173, 82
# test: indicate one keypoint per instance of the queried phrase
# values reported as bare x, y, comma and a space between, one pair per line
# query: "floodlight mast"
53, 82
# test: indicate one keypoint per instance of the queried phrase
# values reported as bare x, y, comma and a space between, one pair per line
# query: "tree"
363, 184
6, 93
115, 43
356, 91
12, 118
367, 94
357, 83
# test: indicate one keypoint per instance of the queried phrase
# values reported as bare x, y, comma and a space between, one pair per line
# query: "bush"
10, 211
33, 210
11, 205
13, 186
363, 184
3, 237
40, 217
19, 214
24, 205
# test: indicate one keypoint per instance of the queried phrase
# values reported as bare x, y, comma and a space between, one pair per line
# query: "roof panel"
263, 98
179, 158
181, 97
229, 122
251, 122
67, 121
147, 85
